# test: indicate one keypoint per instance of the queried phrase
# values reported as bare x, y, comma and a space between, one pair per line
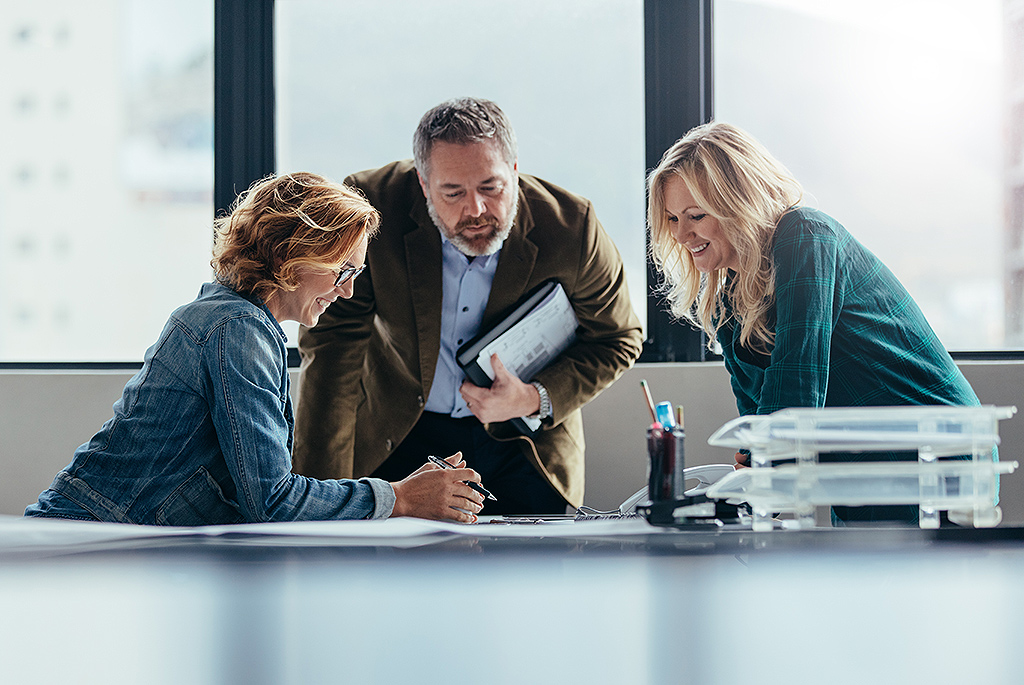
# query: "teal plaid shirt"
847, 333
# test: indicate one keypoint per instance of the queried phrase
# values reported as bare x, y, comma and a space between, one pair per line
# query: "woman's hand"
455, 460
439, 494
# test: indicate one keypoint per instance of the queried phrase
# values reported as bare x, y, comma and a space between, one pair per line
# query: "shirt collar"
484, 262
257, 301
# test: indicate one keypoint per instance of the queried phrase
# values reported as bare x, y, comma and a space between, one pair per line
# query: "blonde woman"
203, 432
806, 316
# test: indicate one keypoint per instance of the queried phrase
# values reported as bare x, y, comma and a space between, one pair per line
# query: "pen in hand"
479, 488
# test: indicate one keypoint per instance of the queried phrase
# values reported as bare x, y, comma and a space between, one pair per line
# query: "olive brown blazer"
368, 364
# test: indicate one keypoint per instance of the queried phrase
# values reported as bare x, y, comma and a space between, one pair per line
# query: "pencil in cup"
649, 399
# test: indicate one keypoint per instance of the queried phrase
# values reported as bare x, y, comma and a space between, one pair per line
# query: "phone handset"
705, 475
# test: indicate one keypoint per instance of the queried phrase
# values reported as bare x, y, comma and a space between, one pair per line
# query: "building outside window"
902, 120
106, 173
1013, 271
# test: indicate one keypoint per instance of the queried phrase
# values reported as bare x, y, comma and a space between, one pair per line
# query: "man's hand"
507, 398
431, 492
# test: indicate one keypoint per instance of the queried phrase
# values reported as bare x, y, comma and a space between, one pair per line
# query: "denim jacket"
203, 433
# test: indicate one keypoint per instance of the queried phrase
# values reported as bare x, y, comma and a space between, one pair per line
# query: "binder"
538, 329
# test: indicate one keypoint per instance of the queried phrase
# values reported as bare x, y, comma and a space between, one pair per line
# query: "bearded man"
463, 237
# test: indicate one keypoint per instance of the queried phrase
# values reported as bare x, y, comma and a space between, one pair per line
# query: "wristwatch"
545, 402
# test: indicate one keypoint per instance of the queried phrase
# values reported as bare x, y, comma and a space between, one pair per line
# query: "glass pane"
353, 79
106, 173
894, 117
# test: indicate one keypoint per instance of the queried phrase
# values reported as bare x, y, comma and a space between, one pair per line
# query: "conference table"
598, 601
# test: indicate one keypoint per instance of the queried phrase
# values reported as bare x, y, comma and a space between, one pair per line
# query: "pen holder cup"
666, 461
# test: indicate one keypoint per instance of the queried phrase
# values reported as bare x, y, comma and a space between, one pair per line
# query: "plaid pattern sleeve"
808, 298
847, 333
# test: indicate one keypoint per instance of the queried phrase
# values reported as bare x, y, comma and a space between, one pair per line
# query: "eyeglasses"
348, 273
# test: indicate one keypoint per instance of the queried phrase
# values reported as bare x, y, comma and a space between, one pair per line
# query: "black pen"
479, 488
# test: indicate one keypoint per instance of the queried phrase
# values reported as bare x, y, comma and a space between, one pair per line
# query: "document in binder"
540, 328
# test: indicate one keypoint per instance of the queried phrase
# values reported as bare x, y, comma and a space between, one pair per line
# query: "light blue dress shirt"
466, 285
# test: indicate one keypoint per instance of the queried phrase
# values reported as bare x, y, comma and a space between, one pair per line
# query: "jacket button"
419, 400
387, 444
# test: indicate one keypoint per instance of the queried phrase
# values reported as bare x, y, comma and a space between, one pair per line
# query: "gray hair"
462, 121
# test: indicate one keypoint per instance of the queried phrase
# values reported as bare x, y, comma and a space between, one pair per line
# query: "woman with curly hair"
203, 432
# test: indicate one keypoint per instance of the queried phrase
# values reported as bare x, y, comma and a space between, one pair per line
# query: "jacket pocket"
198, 501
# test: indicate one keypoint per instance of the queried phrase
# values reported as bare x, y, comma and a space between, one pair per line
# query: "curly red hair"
284, 223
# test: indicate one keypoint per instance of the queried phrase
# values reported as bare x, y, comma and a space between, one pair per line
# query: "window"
354, 78
885, 111
105, 173
899, 120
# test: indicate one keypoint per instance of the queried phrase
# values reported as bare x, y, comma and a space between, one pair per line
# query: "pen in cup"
665, 450
479, 488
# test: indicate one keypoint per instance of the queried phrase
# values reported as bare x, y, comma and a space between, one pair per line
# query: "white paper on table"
18, 534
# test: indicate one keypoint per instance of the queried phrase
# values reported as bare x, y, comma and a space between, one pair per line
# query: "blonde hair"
284, 223
735, 179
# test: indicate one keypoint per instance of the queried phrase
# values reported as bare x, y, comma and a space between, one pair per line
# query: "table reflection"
843, 607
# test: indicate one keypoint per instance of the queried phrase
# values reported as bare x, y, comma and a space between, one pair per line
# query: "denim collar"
256, 300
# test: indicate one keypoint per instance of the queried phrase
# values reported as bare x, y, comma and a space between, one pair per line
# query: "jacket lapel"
423, 260
515, 265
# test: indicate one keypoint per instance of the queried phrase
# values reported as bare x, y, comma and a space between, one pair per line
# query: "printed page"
531, 344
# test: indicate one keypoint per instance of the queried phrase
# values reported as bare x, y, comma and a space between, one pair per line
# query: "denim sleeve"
246, 369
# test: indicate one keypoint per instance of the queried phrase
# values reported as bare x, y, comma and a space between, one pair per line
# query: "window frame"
678, 62
243, 97
674, 68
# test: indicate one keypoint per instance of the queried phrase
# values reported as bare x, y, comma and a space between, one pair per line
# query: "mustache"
478, 221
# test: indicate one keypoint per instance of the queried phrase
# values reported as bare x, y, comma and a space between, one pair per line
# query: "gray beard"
466, 247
